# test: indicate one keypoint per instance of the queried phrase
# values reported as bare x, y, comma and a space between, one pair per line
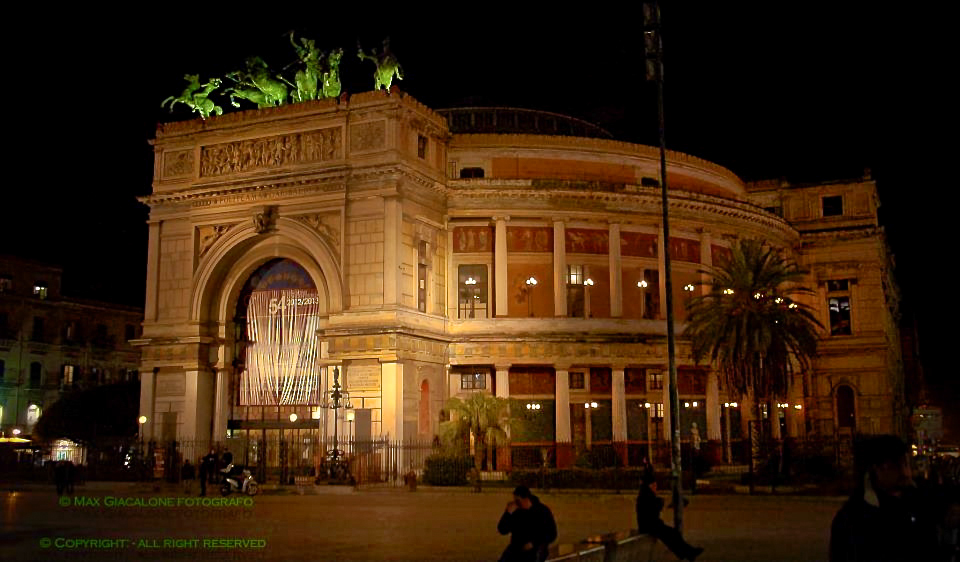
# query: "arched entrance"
276, 386
846, 408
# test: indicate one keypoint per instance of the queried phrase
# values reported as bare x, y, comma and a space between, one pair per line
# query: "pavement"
135, 521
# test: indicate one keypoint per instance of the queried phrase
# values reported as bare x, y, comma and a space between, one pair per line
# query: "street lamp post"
143, 457
338, 399
531, 284
642, 284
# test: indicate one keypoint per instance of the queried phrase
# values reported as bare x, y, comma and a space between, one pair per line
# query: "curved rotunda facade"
430, 254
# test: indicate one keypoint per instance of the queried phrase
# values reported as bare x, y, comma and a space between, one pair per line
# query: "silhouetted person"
885, 518
71, 475
210, 462
649, 506
187, 474
531, 527
60, 476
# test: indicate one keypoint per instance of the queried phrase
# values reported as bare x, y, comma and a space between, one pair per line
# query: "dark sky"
802, 92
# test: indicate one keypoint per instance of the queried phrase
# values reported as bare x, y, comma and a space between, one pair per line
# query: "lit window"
40, 290
472, 283
656, 380
658, 409
833, 206
577, 381
68, 371
575, 292
838, 303
474, 381
33, 414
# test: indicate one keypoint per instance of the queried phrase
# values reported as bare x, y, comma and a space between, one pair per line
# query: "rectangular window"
575, 291
130, 332
471, 173
6, 283
452, 169
658, 410
649, 287
839, 316
37, 329
421, 146
577, 381
67, 379
472, 288
474, 381
656, 380
422, 276
833, 206
3, 367
40, 290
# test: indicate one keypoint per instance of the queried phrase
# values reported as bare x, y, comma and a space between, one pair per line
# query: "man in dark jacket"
885, 519
531, 527
649, 506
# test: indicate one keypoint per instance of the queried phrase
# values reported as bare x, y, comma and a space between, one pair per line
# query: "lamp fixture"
642, 283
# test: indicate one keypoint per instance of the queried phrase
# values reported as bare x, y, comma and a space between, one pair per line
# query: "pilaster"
559, 268
619, 413
713, 406
500, 266
564, 439
616, 273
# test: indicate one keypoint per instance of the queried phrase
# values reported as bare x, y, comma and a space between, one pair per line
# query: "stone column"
619, 413
616, 273
713, 406
391, 401
564, 439
500, 266
504, 457
662, 285
221, 405
392, 236
153, 269
559, 268
148, 382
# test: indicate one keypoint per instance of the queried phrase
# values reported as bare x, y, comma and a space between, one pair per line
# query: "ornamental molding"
642, 198
207, 196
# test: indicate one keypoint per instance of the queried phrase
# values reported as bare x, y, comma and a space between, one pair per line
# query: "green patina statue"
255, 84
387, 65
196, 96
307, 77
331, 75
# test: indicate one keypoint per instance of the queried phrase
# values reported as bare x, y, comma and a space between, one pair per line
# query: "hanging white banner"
282, 351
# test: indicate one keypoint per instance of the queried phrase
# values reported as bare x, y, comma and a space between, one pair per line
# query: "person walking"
885, 518
530, 525
207, 464
649, 507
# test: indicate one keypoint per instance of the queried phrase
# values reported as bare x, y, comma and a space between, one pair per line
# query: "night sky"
803, 92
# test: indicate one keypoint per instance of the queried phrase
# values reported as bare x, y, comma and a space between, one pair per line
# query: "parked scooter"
241, 483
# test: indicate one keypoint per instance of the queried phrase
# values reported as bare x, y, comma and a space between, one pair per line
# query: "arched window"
846, 408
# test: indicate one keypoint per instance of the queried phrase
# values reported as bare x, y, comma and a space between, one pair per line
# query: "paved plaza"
129, 522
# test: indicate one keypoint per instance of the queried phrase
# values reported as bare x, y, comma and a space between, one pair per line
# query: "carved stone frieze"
208, 235
327, 226
270, 152
368, 136
177, 163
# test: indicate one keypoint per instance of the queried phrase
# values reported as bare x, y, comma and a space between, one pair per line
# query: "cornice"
631, 197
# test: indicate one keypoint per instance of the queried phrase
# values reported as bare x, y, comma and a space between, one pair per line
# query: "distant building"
427, 254
51, 344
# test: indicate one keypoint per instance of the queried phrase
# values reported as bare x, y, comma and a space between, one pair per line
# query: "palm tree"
750, 326
480, 415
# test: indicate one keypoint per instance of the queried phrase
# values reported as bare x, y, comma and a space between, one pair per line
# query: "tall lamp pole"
653, 45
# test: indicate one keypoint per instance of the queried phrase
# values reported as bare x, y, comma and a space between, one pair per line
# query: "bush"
447, 470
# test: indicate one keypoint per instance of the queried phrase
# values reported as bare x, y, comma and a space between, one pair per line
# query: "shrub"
447, 470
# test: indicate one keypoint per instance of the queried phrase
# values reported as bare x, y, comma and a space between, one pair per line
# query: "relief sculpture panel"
583, 241
368, 136
682, 249
638, 244
468, 239
327, 226
177, 163
529, 239
269, 152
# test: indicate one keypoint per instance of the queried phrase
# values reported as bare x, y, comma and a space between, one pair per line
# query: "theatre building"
427, 254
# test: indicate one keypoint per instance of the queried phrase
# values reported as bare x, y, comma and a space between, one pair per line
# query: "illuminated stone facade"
423, 241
